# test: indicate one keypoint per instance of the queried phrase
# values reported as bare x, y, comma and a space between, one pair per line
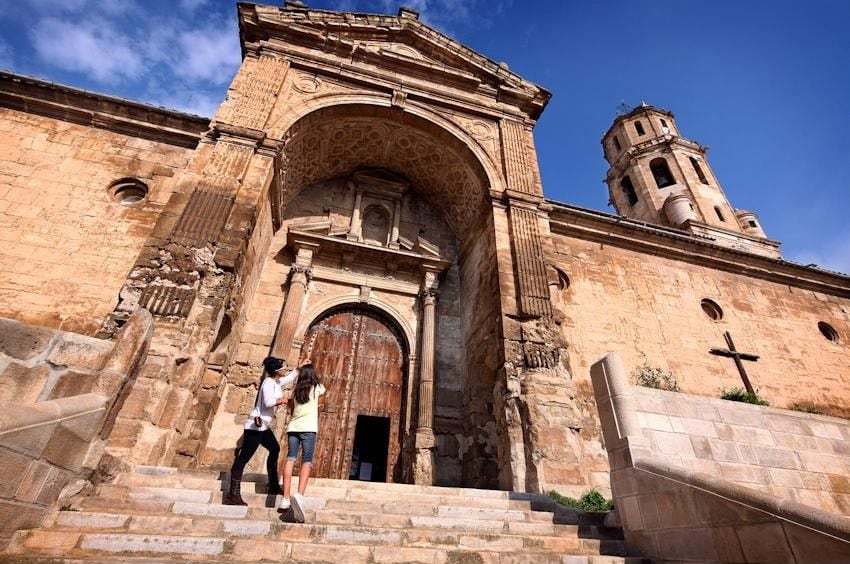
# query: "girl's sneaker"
284, 504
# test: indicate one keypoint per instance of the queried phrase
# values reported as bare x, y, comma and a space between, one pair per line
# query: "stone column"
423, 466
299, 277
396, 220
354, 230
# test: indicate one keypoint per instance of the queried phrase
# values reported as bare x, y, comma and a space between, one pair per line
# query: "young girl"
257, 431
301, 432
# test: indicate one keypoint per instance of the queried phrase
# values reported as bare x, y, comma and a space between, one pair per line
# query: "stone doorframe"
299, 313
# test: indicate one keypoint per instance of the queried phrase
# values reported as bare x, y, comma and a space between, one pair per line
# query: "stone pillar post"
354, 230
299, 277
423, 466
396, 221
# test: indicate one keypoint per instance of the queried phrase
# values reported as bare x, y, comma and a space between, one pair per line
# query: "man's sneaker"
284, 504
297, 503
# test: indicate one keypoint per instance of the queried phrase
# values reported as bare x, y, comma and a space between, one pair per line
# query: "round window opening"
711, 309
128, 191
828, 331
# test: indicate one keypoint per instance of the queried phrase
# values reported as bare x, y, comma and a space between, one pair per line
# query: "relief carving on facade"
332, 148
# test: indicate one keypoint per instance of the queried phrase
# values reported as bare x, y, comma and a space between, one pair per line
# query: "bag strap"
259, 389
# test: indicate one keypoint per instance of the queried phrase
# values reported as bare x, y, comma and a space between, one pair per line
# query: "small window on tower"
661, 172
629, 190
752, 223
639, 128
698, 170
719, 213
617, 143
664, 123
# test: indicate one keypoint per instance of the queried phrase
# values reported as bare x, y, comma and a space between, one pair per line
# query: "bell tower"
659, 177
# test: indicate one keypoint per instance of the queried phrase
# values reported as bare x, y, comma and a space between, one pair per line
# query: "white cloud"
209, 54
92, 47
191, 5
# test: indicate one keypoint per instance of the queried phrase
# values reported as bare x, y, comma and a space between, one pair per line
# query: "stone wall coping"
797, 513
727, 404
16, 417
41, 97
674, 244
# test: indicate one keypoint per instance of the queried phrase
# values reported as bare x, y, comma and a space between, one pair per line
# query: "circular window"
711, 309
128, 191
828, 331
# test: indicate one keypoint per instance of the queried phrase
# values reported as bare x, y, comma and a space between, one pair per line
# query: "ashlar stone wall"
797, 456
647, 307
698, 479
66, 246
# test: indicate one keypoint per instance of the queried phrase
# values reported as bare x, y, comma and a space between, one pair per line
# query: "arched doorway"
361, 358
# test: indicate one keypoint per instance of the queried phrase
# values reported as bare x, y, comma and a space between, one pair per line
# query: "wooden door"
360, 360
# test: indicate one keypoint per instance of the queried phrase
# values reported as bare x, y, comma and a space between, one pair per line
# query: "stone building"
368, 195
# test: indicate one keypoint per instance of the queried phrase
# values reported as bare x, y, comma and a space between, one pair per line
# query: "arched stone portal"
362, 358
431, 259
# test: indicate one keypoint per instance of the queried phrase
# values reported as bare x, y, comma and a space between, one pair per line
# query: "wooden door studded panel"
359, 357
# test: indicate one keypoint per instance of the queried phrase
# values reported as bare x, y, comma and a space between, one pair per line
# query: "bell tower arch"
660, 177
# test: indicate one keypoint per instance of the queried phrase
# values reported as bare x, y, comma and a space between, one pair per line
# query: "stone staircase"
155, 514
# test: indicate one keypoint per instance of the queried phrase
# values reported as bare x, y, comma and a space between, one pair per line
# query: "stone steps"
168, 515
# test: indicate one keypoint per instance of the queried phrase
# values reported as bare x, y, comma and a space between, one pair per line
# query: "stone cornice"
674, 244
74, 105
666, 143
344, 34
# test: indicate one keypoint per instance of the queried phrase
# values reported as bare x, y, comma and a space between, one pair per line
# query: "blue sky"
764, 83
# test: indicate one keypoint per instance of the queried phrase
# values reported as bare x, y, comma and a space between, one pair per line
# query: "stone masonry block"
69, 444
81, 353
765, 542
671, 443
73, 383
13, 467
146, 400
32, 481
22, 341
178, 405
776, 457
21, 384
53, 484
654, 421
724, 451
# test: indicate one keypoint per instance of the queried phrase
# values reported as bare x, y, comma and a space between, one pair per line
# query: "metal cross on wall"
739, 357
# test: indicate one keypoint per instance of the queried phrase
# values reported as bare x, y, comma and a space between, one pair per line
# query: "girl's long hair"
307, 380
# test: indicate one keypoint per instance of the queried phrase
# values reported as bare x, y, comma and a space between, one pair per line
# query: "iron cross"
738, 356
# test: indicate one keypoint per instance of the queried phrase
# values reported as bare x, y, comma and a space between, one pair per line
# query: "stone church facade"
368, 195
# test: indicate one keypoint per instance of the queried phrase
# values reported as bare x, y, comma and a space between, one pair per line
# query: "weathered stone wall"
67, 247
60, 392
647, 307
479, 283
698, 479
797, 456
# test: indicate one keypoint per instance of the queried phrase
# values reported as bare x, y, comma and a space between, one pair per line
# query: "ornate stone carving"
517, 159
253, 92
448, 173
528, 259
306, 84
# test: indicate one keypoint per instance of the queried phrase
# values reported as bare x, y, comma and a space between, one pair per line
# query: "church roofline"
128, 117
301, 18
680, 245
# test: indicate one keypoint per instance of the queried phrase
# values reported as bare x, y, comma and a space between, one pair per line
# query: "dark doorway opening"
371, 445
